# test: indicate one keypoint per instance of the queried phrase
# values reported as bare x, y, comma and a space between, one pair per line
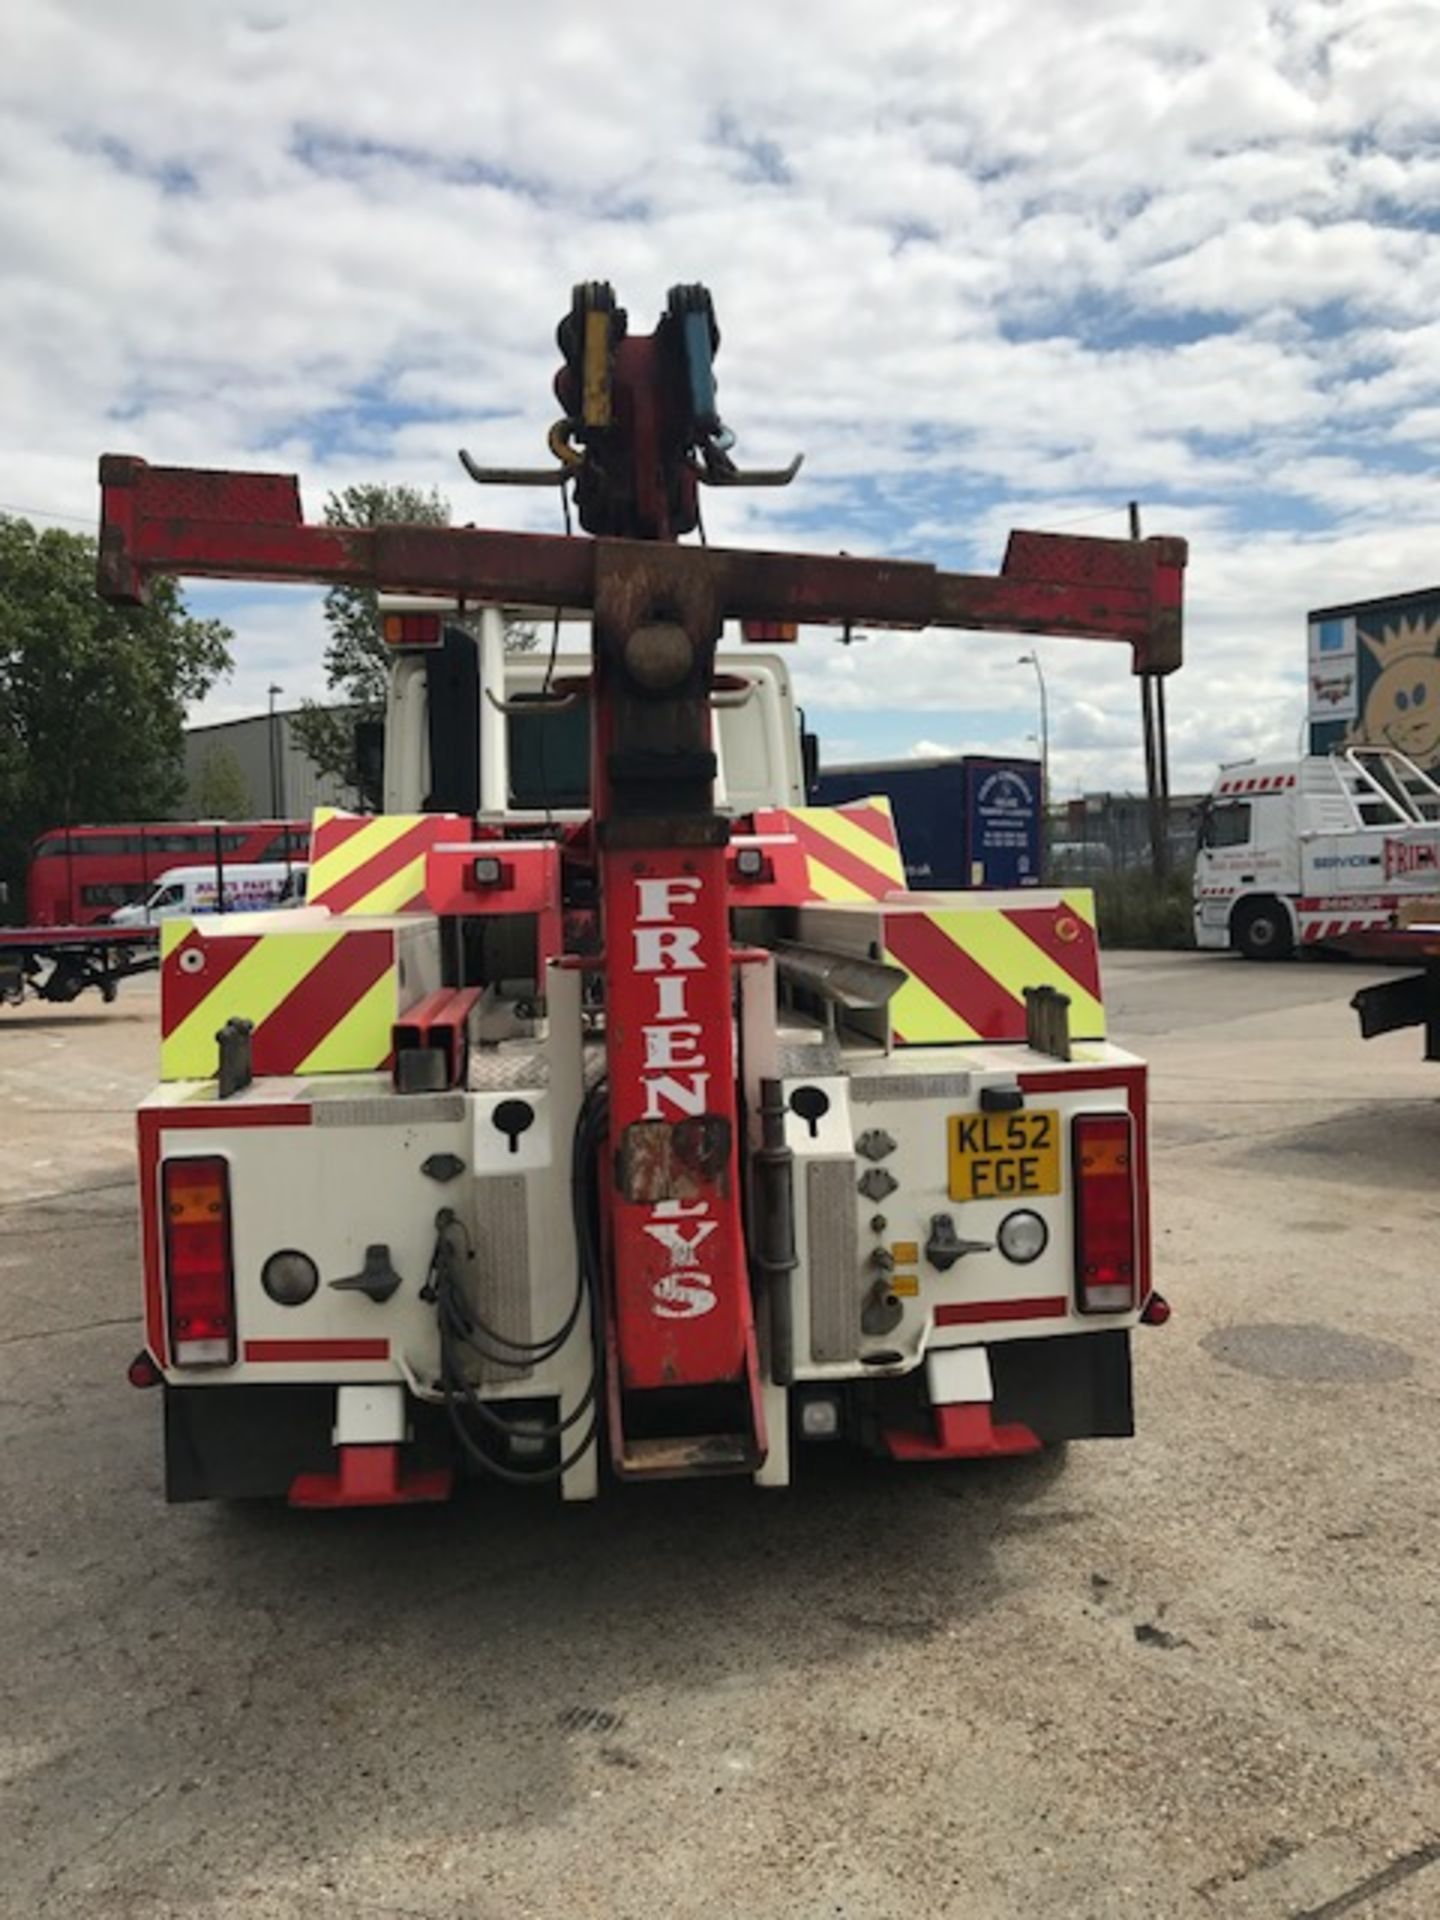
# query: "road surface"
1196, 1674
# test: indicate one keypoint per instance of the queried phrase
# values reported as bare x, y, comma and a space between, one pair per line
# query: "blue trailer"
969, 820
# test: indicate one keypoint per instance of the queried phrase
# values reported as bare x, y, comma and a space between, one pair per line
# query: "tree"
92, 697
357, 663
220, 791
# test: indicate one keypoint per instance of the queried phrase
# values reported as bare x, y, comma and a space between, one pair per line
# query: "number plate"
1004, 1156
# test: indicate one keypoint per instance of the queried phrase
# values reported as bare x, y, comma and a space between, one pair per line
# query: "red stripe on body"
181, 990
872, 883
1080, 957
955, 977
381, 866
317, 1350
321, 1000
967, 1313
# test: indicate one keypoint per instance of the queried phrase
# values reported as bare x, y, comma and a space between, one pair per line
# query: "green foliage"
92, 697
219, 791
1136, 910
356, 663
356, 659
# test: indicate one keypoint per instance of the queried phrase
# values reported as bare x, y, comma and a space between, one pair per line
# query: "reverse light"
289, 1277
1104, 1188
820, 1416
199, 1263
413, 629
751, 864
1022, 1237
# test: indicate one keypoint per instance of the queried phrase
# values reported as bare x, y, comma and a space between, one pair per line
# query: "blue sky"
987, 265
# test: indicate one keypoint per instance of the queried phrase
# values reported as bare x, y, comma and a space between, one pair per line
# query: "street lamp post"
277, 765
1033, 660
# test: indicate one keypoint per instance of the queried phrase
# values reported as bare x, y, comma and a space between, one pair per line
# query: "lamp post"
277, 765
1033, 660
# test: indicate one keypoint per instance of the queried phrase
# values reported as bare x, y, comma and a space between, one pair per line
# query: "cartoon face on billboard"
1402, 700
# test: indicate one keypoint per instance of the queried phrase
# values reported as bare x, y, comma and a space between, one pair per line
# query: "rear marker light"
1104, 1186
142, 1371
199, 1264
413, 629
488, 871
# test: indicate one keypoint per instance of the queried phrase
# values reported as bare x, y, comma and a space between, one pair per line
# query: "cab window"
549, 754
168, 896
1229, 826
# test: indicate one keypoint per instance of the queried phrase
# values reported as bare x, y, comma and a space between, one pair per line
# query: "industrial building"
261, 758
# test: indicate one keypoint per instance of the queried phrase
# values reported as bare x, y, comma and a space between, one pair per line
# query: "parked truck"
964, 820
606, 1104
1302, 853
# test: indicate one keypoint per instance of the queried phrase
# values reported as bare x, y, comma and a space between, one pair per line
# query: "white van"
193, 890
1296, 852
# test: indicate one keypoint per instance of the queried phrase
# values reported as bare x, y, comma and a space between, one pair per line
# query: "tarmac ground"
1193, 1676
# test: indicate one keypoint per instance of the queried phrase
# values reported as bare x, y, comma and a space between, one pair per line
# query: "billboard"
1374, 676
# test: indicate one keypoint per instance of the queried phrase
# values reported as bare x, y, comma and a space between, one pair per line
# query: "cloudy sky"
988, 264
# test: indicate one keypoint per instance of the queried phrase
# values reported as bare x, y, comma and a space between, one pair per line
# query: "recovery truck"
1316, 851
605, 1104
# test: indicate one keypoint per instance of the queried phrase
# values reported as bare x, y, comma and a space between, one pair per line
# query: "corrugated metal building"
261, 758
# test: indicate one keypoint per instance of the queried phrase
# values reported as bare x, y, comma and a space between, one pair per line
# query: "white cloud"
987, 265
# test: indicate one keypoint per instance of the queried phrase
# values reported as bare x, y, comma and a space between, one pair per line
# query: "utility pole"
1033, 660
1157, 751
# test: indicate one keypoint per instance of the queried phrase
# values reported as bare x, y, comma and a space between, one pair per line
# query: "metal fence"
1108, 833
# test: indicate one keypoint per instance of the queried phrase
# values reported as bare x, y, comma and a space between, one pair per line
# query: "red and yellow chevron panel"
968, 967
322, 997
373, 863
851, 851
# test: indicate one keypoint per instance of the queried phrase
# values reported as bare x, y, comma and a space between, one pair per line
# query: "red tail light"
1105, 1262
199, 1264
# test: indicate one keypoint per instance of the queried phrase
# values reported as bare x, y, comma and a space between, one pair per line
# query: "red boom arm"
248, 526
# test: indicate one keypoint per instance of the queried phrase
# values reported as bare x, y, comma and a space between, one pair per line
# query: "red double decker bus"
79, 875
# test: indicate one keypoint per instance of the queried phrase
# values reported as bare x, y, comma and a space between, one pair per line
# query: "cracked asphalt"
1192, 1675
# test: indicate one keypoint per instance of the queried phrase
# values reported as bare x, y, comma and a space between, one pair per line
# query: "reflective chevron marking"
968, 969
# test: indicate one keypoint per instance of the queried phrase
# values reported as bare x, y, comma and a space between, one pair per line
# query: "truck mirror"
369, 752
810, 760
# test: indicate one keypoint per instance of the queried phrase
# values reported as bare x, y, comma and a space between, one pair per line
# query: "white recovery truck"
605, 1107
1306, 852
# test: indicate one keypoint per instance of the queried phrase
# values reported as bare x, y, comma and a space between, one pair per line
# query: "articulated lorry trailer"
607, 1109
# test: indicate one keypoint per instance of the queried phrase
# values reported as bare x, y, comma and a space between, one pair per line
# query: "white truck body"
1297, 852
341, 1195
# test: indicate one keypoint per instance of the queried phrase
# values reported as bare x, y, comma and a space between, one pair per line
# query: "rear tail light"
1105, 1251
199, 1263
771, 633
